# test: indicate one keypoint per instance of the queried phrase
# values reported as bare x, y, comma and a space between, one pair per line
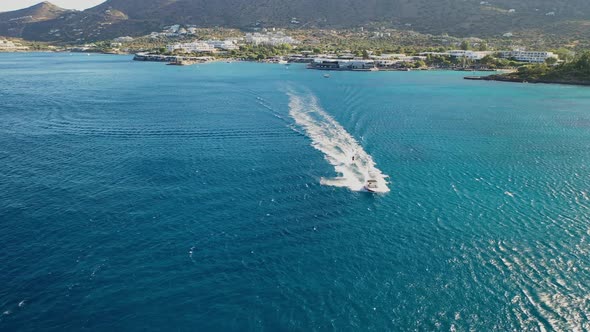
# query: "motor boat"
372, 186
326, 75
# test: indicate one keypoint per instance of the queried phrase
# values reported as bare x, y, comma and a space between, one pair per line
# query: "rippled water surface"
220, 197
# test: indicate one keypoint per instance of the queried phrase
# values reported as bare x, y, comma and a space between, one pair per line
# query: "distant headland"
576, 72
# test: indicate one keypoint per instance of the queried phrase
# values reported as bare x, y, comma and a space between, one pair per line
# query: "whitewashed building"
528, 56
204, 46
471, 55
226, 45
194, 47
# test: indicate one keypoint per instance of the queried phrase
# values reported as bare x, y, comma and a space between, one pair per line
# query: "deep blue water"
139, 196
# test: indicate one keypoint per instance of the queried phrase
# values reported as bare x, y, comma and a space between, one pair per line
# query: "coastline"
509, 79
202, 60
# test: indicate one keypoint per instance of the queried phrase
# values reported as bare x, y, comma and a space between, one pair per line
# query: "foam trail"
337, 145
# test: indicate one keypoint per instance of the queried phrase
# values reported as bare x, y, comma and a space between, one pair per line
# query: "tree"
488, 60
533, 71
285, 47
565, 54
465, 45
583, 63
551, 61
419, 64
483, 47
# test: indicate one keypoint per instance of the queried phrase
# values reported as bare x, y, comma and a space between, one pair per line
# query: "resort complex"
207, 46
279, 47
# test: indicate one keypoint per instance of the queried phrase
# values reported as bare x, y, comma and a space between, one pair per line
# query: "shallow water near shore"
138, 196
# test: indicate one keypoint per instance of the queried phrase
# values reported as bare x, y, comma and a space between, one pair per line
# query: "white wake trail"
337, 145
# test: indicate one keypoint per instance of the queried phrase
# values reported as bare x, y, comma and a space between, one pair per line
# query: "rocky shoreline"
512, 79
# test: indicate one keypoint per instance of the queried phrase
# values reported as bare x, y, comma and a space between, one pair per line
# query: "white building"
204, 46
226, 45
340, 64
471, 55
526, 56
194, 47
270, 38
387, 56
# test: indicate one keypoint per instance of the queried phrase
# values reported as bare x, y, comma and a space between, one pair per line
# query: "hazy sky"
6, 5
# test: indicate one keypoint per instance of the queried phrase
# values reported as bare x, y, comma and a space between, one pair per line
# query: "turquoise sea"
222, 197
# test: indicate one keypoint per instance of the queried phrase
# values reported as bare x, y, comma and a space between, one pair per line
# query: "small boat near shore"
326, 75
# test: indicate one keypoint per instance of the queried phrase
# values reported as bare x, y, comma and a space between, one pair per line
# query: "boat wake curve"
351, 162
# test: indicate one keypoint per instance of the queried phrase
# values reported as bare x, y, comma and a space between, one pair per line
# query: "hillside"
456, 17
39, 12
13, 23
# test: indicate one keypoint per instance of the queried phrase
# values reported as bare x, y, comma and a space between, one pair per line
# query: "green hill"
455, 17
